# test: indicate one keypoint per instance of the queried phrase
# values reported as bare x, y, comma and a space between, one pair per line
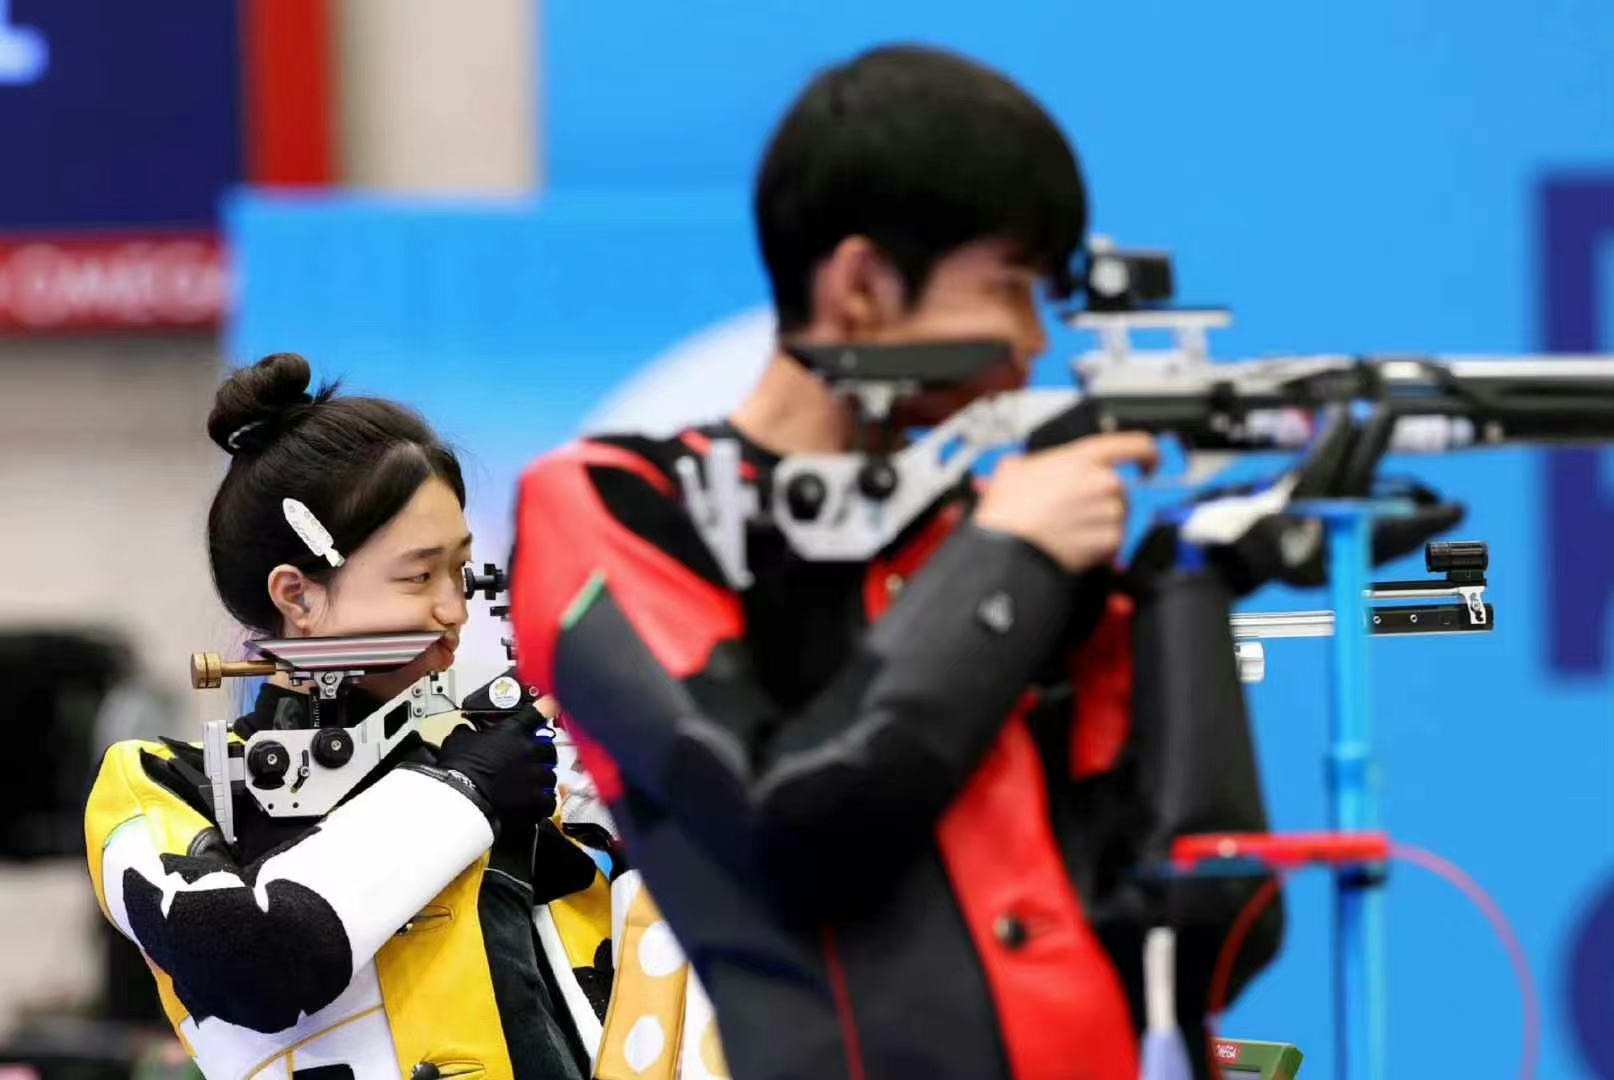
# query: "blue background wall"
1361, 177
137, 122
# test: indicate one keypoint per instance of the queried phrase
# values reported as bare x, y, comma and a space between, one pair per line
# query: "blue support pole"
1359, 987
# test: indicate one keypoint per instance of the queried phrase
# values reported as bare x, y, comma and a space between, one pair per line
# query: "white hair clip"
319, 541
234, 441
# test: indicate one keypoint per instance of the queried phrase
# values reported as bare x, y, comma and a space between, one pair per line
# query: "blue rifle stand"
1359, 950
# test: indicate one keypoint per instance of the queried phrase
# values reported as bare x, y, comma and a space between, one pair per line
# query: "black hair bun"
249, 410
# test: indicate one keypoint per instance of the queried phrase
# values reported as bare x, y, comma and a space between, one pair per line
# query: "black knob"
805, 495
490, 582
425, 1071
333, 747
268, 762
1010, 932
877, 480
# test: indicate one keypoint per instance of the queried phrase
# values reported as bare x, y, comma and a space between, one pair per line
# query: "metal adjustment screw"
207, 671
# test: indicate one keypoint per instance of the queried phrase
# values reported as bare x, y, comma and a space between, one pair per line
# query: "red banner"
120, 282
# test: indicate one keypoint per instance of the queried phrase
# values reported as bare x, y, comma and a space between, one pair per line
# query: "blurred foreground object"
75, 999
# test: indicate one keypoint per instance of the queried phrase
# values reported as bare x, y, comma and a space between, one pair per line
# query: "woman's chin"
439, 658
393, 683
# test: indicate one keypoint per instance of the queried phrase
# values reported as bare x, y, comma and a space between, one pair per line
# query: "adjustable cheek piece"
315, 754
850, 506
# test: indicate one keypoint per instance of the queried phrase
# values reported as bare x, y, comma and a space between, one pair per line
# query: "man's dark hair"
922, 152
354, 461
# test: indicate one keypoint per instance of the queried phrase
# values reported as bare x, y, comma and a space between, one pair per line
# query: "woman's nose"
451, 609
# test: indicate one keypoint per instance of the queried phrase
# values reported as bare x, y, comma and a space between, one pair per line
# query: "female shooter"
393, 935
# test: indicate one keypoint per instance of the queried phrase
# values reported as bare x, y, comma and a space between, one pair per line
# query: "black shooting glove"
512, 765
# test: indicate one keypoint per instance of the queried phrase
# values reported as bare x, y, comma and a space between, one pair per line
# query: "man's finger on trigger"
548, 708
1122, 448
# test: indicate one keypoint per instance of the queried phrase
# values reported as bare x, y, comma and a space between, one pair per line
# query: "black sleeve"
542, 1041
789, 802
1192, 770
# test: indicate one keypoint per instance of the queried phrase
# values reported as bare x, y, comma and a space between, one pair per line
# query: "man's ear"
857, 292
295, 597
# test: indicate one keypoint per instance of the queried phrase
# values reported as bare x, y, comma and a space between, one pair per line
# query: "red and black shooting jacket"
889, 808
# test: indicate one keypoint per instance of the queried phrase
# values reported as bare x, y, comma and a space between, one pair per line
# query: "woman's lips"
437, 657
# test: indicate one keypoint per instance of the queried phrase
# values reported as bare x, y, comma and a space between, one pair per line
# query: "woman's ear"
857, 293
295, 597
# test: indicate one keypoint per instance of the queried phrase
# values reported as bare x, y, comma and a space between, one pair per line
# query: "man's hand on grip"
1069, 501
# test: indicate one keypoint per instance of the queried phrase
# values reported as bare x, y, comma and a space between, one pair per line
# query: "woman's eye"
420, 579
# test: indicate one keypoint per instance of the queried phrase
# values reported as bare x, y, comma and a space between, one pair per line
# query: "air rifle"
318, 752
851, 505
